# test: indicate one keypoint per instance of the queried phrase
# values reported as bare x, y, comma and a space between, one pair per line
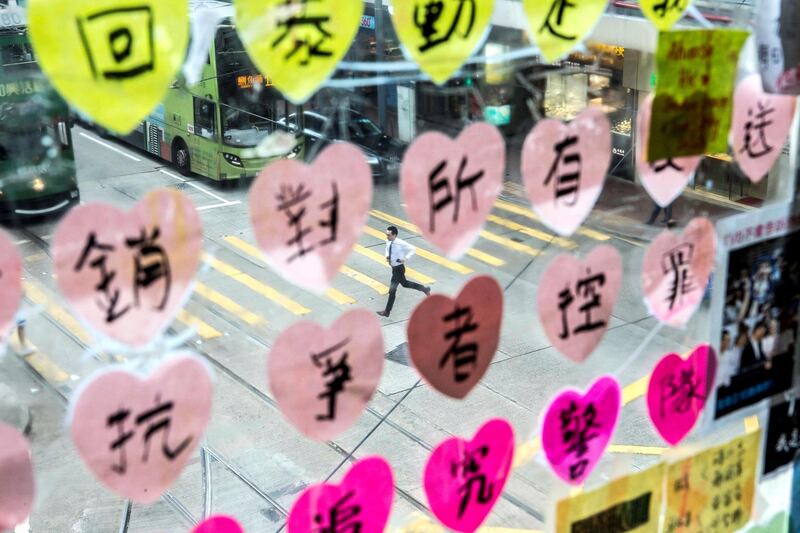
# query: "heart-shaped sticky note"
450, 186
452, 341
575, 299
463, 479
761, 124
363, 499
100, 53
127, 274
559, 26
564, 168
297, 44
10, 283
307, 218
218, 524
16, 478
441, 35
577, 428
675, 271
339, 368
678, 391
135, 435
663, 180
664, 13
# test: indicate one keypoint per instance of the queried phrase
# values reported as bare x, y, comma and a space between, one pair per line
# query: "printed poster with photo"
755, 323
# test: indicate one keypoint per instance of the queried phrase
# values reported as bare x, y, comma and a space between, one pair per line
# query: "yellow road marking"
531, 232
508, 243
45, 366
227, 304
373, 284
438, 259
472, 252
426, 525
635, 390
203, 329
35, 257
640, 450
62, 316
378, 258
527, 213
256, 286
337, 296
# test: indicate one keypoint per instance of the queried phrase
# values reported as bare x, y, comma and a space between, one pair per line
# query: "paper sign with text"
10, 283
559, 26
17, 484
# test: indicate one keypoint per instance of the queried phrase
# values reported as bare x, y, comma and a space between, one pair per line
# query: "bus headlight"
38, 184
373, 160
233, 160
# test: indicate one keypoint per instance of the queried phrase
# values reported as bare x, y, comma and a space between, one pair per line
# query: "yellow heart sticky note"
664, 13
298, 43
441, 34
112, 59
558, 26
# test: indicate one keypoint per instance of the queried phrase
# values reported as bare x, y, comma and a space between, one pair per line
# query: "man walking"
398, 252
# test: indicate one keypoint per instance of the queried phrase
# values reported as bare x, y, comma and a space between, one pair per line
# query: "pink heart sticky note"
663, 180
577, 428
463, 479
306, 218
218, 524
564, 168
128, 274
761, 124
675, 271
10, 283
339, 369
135, 435
678, 391
361, 502
450, 185
16, 478
575, 299
452, 341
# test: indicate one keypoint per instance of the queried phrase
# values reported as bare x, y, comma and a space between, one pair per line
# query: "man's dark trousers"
399, 278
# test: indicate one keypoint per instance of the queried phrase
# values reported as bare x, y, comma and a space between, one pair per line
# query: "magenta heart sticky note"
361, 502
10, 283
16, 478
578, 427
306, 218
678, 391
218, 524
564, 168
451, 342
136, 435
463, 479
675, 271
663, 180
450, 185
128, 274
761, 124
575, 299
339, 369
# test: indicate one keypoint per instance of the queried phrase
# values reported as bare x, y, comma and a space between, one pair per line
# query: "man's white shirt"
400, 250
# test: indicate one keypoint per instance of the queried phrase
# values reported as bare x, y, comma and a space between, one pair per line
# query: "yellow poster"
112, 59
298, 43
664, 13
631, 504
712, 492
441, 34
558, 26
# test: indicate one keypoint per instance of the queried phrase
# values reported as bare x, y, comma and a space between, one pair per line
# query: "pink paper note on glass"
218, 524
678, 391
365, 496
564, 168
135, 435
477, 312
307, 218
450, 185
761, 124
663, 180
455, 469
675, 271
10, 283
578, 427
128, 274
575, 299
16, 478
323, 378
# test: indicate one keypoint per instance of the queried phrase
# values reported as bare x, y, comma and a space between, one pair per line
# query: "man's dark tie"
391, 243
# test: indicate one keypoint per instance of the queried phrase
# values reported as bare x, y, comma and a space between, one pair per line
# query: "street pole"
379, 49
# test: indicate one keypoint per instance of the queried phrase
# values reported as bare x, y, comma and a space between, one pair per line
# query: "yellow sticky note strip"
112, 59
298, 44
441, 34
664, 13
558, 26
696, 71
634, 500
